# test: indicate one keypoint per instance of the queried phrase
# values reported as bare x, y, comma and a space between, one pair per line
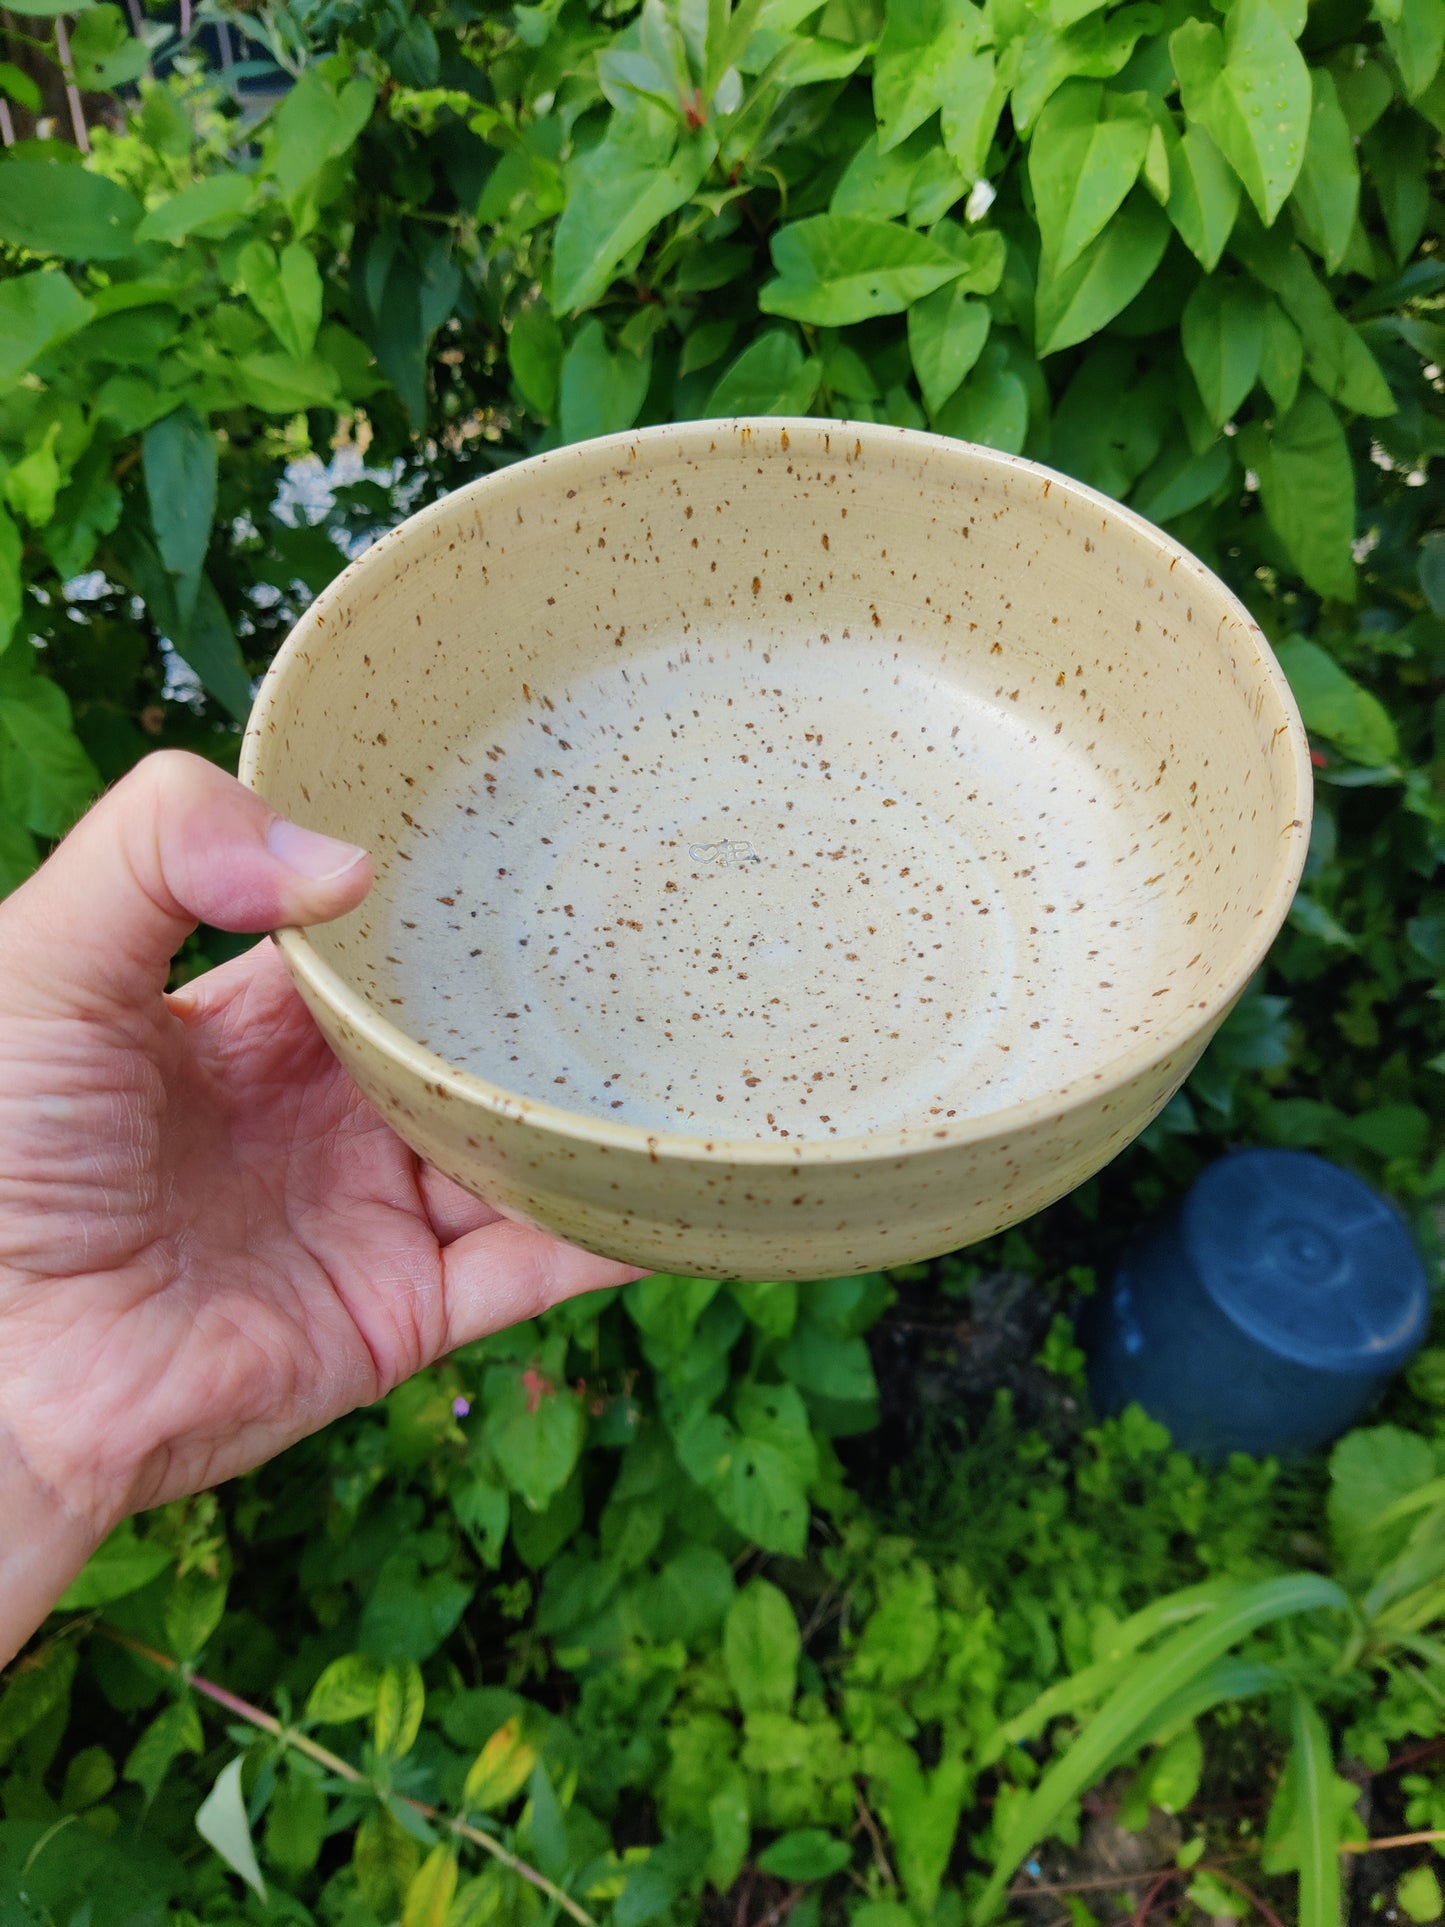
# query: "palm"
235, 1248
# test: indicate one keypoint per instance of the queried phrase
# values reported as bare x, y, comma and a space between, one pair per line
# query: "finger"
453, 1212
176, 843
507, 1272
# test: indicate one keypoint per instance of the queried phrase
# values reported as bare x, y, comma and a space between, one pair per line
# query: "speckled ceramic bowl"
801, 847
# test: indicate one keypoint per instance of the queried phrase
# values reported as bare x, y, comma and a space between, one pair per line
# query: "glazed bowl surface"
802, 847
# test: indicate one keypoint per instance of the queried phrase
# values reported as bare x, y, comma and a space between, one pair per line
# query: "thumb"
177, 842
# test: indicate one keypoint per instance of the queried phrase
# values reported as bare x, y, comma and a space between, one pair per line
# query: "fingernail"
309, 853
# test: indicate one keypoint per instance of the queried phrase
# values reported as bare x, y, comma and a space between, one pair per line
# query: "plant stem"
333, 1763
1232, 1880
1147, 1904
72, 92
1021, 1889
1393, 1840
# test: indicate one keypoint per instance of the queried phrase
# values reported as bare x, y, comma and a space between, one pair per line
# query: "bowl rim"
328, 987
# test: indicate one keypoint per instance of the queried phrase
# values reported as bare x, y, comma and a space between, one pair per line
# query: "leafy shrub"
630, 1614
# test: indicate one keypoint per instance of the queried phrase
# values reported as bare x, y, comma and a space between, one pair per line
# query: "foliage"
598, 1609
503, 1665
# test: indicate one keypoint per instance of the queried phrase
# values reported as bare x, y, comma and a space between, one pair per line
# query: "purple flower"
461, 1406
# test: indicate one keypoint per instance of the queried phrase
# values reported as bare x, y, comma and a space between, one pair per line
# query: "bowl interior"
788, 781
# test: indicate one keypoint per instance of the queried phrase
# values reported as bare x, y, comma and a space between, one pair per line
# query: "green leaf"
1210, 1894
400, 1701
829, 1367
877, 185
1085, 155
903, 1630
920, 62
51, 207
208, 644
102, 51
1371, 1469
317, 121
1308, 487
1126, 1718
1314, 1770
295, 1820
1327, 192
761, 1648
1223, 334
1249, 89
807, 1854
18, 854
602, 389
971, 112
46, 778
1398, 153
534, 352
432, 1890
1203, 196
179, 459
223, 1824
121, 1565
533, 1429
1181, 480
483, 1509
285, 290
1415, 34
174, 1731
992, 407
35, 480
1418, 1896
193, 1610
33, 1693
1072, 305
213, 207
770, 377
1169, 1780
922, 1811
730, 1823
667, 1309
89, 1776
758, 1471
835, 269
282, 385
1335, 706
618, 193
1281, 357
1336, 357
37, 310
348, 1689
20, 87
500, 1770
773, 1308
1392, 1130
1040, 59
946, 333
706, 344
384, 1860
982, 255
12, 585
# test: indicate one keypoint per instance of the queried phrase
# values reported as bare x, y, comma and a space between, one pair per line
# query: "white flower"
981, 199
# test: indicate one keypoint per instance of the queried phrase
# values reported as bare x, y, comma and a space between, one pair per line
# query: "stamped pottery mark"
730, 854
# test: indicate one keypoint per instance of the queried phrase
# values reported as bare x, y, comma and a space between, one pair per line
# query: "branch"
333, 1763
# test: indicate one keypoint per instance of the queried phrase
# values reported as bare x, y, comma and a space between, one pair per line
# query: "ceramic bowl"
801, 847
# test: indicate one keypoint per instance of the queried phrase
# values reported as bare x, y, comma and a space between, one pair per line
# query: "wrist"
43, 1545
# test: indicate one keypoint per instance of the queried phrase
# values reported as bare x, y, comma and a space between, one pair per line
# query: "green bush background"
1189, 255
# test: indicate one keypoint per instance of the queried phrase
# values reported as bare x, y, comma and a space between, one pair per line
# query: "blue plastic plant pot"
1266, 1313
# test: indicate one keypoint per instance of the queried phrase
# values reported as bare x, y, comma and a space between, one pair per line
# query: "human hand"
210, 1245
